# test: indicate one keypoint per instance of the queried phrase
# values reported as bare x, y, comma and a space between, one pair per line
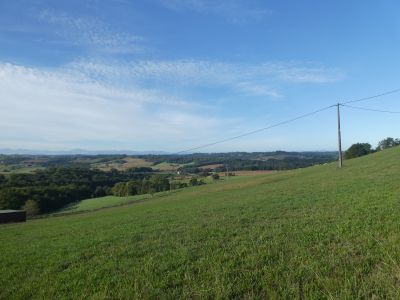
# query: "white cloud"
255, 89
95, 105
301, 72
64, 109
91, 33
236, 11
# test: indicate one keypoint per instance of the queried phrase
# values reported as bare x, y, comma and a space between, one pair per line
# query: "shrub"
31, 207
215, 176
357, 150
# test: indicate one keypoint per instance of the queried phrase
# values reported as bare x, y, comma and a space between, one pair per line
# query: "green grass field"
98, 203
315, 233
108, 201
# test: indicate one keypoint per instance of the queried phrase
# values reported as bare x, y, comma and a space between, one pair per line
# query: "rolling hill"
312, 233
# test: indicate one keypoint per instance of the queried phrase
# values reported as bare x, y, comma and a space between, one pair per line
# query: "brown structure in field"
9, 216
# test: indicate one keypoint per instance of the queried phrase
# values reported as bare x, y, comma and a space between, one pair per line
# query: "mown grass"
101, 202
315, 233
92, 204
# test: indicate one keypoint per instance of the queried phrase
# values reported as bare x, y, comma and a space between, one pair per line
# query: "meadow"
92, 204
101, 202
313, 233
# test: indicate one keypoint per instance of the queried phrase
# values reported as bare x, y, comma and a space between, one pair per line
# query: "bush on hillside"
31, 207
357, 150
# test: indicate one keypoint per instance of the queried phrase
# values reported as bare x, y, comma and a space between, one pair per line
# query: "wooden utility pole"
339, 137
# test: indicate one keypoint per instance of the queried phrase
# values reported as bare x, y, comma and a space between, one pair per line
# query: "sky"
169, 75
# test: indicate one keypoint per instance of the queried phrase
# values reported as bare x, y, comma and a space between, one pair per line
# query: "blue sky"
170, 75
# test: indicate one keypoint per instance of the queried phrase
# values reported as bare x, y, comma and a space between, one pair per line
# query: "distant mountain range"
8, 151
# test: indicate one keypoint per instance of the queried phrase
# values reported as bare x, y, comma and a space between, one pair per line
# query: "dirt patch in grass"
212, 166
124, 164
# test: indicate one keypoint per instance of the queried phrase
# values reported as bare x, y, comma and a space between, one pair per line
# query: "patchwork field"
249, 173
212, 166
314, 233
123, 164
164, 166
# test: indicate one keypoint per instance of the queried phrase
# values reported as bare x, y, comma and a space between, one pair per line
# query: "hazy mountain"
77, 152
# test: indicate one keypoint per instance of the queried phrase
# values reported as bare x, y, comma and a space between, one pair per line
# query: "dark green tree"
357, 150
159, 183
120, 189
145, 187
101, 191
193, 181
133, 187
215, 176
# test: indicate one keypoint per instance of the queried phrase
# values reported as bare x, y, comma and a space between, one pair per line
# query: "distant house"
11, 216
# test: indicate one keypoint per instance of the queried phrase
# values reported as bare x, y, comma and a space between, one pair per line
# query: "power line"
256, 131
297, 118
371, 109
373, 97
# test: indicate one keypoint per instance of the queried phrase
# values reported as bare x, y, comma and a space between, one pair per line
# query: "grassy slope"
109, 201
165, 166
102, 202
92, 204
317, 232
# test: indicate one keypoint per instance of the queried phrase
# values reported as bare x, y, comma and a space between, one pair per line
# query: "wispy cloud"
91, 33
250, 79
255, 89
49, 108
236, 11
303, 72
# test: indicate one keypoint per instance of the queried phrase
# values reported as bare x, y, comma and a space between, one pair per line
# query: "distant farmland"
123, 164
190, 163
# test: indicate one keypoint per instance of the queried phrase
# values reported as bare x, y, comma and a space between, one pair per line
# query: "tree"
358, 149
159, 183
193, 181
101, 191
2, 179
215, 176
388, 143
31, 207
133, 187
12, 198
145, 186
119, 189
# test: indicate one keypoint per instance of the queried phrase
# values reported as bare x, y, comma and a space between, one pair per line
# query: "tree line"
54, 188
285, 163
48, 190
245, 158
361, 149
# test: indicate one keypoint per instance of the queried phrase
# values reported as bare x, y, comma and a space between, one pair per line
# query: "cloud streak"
235, 11
250, 79
91, 33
